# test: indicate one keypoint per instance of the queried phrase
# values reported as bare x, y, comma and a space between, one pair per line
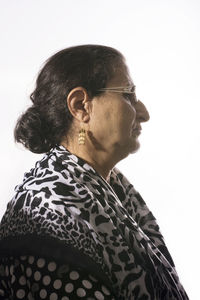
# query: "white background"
160, 40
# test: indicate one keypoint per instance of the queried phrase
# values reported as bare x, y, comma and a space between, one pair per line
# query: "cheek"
128, 118
132, 115
100, 125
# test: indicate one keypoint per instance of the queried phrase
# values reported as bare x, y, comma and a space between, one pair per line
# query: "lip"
137, 131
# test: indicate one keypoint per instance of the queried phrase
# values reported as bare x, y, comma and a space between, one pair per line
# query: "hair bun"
32, 131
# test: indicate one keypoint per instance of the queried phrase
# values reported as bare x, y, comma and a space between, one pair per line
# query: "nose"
142, 113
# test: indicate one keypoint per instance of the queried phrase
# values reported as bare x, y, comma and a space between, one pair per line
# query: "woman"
76, 228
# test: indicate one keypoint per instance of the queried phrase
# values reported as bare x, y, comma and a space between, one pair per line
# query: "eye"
131, 97
127, 96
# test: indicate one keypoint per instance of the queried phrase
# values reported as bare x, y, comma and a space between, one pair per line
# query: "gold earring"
81, 137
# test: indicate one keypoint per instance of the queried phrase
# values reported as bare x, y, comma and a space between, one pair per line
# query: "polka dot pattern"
46, 280
20, 294
37, 275
40, 263
43, 293
52, 266
81, 292
31, 277
31, 260
69, 288
87, 284
99, 295
74, 275
28, 272
22, 280
57, 284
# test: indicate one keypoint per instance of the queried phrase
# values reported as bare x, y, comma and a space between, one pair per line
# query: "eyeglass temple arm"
119, 89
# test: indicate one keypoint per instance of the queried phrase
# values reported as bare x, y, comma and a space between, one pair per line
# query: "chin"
129, 149
125, 149
134, 145
135, 148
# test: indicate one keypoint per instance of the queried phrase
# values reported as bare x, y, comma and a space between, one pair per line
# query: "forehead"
121, 77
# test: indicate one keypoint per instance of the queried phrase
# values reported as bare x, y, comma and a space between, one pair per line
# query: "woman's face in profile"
116, 116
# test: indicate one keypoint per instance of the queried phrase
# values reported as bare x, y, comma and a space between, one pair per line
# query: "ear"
78, 103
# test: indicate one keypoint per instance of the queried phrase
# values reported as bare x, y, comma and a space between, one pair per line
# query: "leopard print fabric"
66, 210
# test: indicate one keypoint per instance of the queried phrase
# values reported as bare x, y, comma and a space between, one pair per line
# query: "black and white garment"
69, 234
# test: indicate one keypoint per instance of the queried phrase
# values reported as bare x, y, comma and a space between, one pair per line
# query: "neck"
100, 160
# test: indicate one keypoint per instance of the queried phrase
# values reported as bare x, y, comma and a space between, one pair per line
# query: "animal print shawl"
64, 209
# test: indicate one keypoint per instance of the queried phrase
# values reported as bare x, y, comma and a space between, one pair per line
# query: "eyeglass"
128, 92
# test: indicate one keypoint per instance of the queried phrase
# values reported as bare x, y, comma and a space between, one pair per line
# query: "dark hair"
47, 121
